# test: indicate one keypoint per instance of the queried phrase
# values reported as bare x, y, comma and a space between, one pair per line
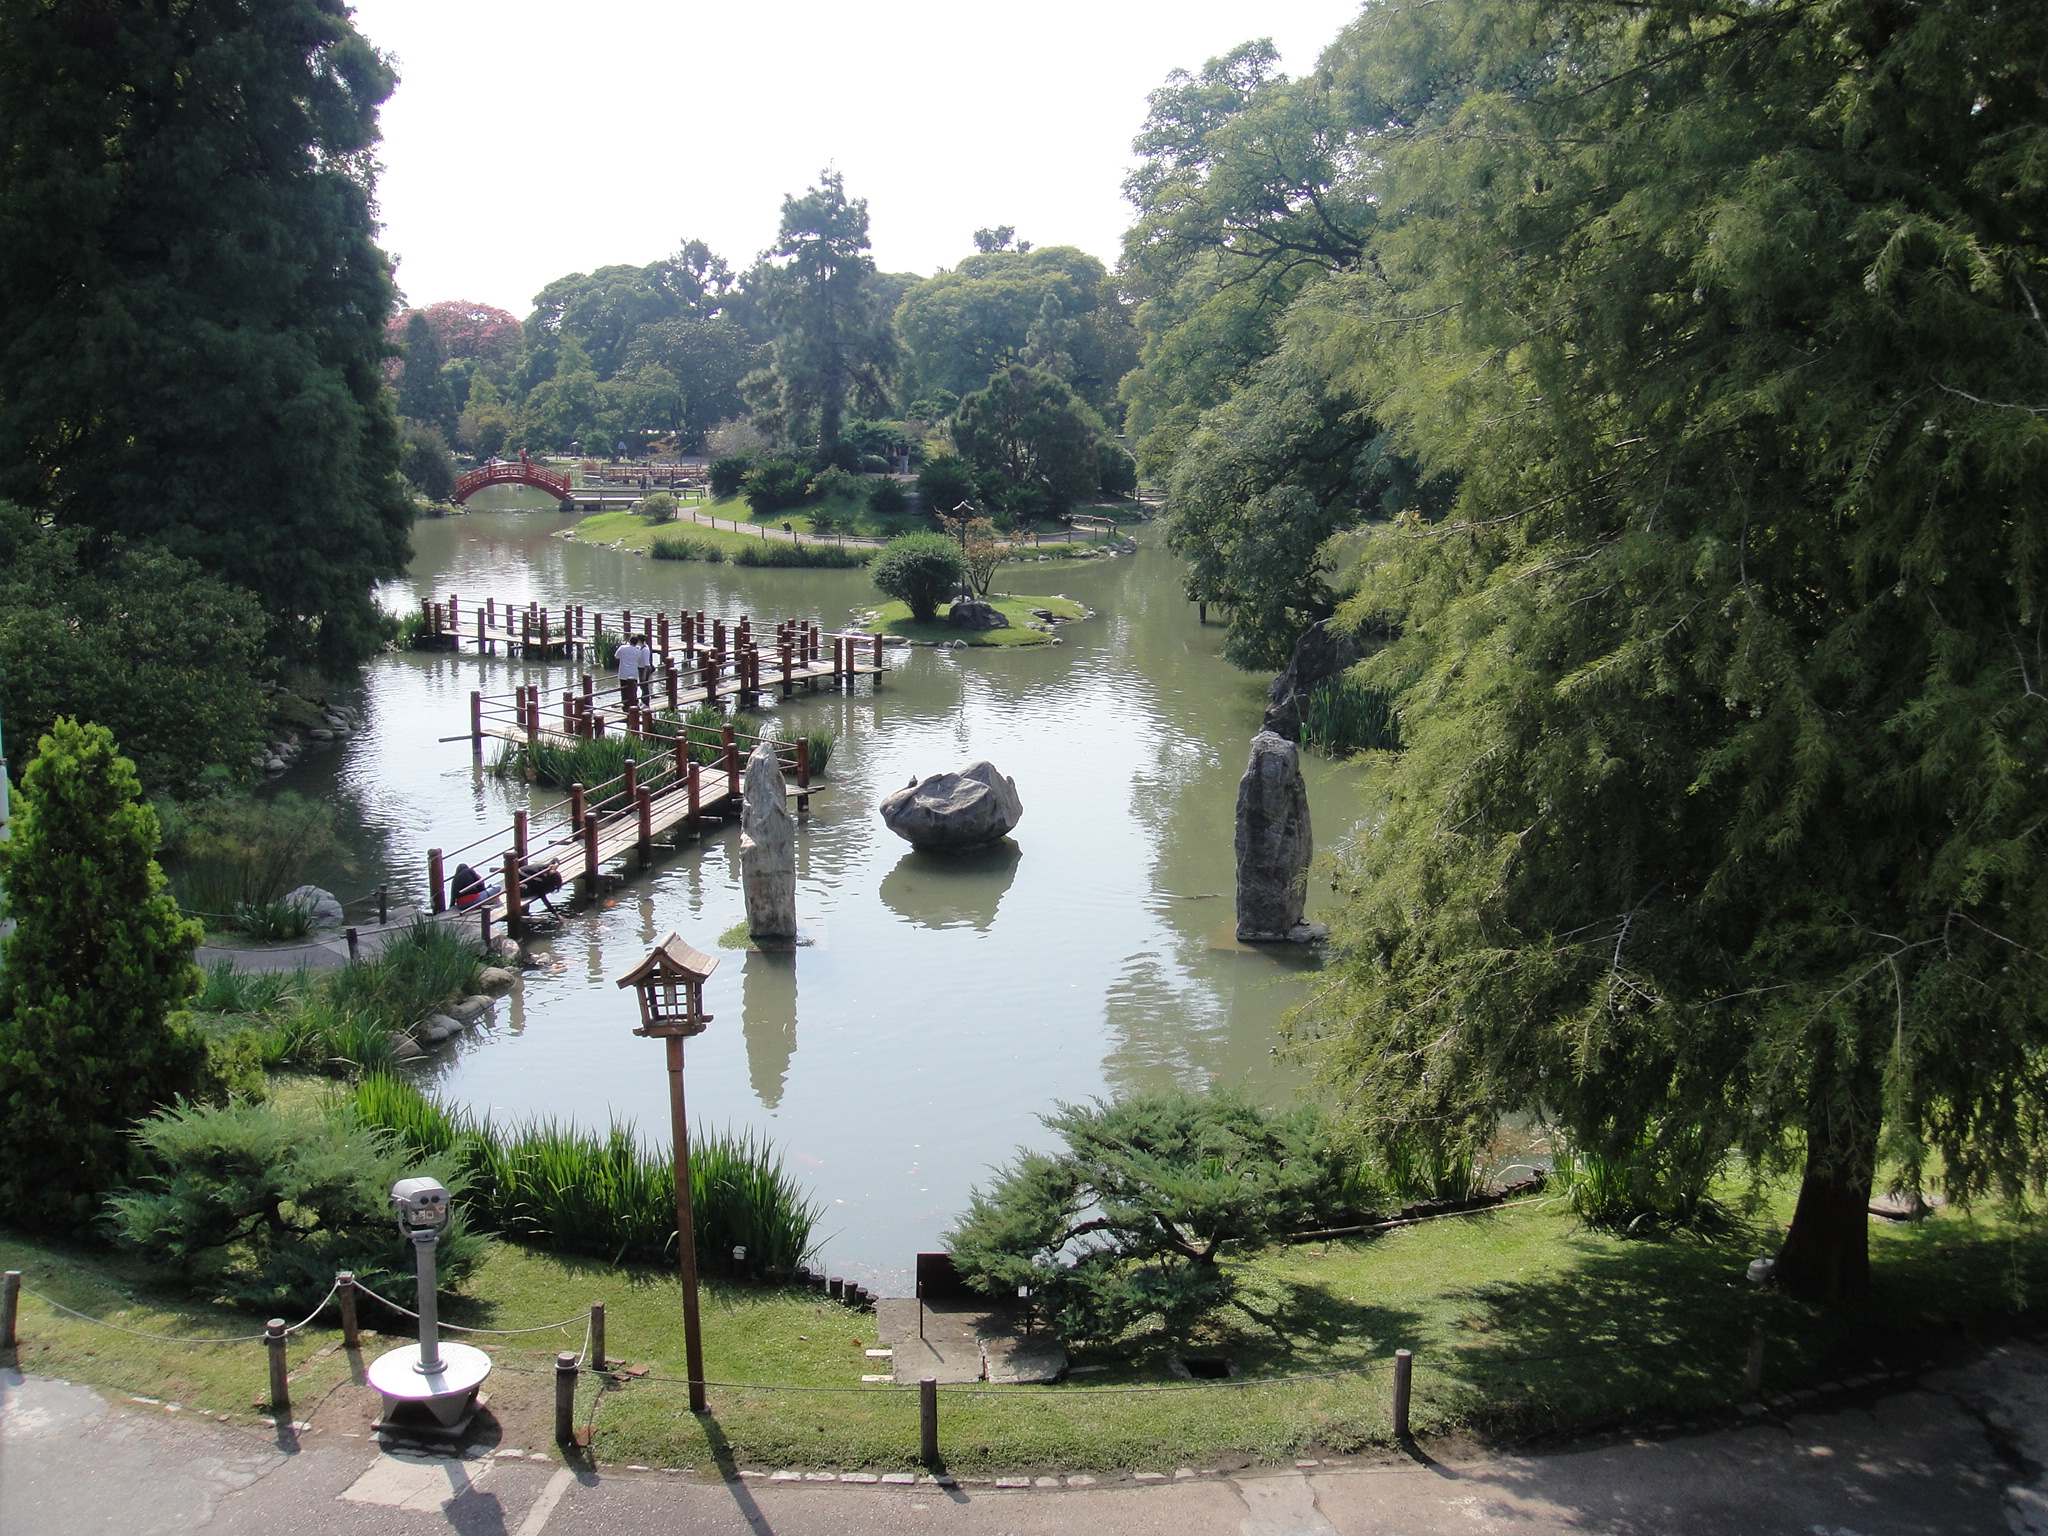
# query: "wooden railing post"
590, 828
668, 671
276, 1339
519, 834
436, 901
632, 777
576, 809
803, 762
515, 902
732, 762
643, 801
476, 722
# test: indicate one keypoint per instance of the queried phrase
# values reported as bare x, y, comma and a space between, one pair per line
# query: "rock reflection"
951, 890
768, 1019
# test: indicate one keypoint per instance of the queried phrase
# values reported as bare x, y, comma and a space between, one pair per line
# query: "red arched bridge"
519, 471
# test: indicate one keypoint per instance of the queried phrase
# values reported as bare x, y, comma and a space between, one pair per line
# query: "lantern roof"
671, 959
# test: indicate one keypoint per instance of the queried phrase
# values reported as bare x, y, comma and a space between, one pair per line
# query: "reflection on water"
940, 1006
951, 890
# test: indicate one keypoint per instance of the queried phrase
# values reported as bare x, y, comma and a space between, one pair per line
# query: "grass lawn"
626, 530
895, 619
1524, 1325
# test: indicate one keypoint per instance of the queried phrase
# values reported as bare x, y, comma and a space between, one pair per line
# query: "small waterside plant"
686, 548
575, 1191
1343, 715
828, 556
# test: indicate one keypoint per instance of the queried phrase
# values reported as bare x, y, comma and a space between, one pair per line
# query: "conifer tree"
98, 960
192, 309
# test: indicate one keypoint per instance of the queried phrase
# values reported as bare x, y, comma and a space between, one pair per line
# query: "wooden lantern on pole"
670, 986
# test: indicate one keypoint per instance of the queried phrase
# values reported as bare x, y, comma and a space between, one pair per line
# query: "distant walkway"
315, 954
774, 535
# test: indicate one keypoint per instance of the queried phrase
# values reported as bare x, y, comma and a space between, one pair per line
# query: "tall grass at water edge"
1343, 716
346, 1020
575, 1191
686, 548
229, 859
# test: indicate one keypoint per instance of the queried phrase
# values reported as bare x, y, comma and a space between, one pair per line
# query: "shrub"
270, 921
887, 496
774, 553
836, 484
579, 1192
263, 1206
920, 570
89, 980
774, 485
687, 549
657, 507
945, 482
873, 464
1127, 1224
727, 474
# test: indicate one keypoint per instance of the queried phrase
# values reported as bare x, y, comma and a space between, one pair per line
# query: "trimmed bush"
727, 474
945, 482
887, 496
657, 507
775, 485
921, 571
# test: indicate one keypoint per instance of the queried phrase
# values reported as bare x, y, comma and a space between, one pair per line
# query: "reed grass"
237, 852
832, 556
270, 921
1343, 716
687, 548
228, 990
556, 1186
821, 745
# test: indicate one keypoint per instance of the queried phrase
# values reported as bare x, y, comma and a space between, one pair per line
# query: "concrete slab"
416, 1482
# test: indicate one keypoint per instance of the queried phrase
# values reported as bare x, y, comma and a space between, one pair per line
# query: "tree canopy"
192, 307
1035, 448
1718, 824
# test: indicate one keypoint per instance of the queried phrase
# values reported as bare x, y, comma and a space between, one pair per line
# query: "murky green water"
942, 1006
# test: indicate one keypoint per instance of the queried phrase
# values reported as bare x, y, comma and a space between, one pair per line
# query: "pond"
939, 1007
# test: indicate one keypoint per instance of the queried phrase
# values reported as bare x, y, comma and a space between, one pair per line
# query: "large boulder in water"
951, 811
1274, 843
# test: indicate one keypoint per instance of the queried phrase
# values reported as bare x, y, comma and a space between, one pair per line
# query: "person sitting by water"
469, 889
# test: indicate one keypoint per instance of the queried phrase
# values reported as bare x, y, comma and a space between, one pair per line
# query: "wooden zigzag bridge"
682, 774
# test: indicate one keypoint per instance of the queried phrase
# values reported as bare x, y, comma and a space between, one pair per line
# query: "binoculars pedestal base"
438, 1403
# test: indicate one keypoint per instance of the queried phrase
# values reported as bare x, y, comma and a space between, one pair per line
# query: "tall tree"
833, 342
192, 308
98, 961
1035, 447
422, 391
1720, 823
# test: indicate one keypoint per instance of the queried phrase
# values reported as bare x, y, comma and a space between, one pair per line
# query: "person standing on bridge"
635, 662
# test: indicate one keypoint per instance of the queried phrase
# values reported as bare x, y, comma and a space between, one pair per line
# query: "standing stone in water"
767, 849
1274, 843
950, 812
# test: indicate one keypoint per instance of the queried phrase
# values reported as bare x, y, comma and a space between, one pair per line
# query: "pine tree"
1719, 825
833, 341
89, 979
192, 309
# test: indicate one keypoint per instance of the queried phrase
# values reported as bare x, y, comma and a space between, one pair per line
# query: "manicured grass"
1524, 1325
895, 619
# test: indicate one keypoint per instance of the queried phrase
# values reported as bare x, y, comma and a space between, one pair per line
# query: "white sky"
530, 140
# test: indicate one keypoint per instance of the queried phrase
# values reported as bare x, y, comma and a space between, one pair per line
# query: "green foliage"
960, 326
771, 552
833, 342
1717, 819
269, 921
657, 507
98, 960
886, 496
777, 484
424, 460
1033, 445
728, 474
1345, 715
821, 744
1126, 1226
1119, 471
131, 638
687, 548
262, 1205
228, 851
191, 345
228, 990
836, 484
921, 570
423, 394
558, 1187
945, 482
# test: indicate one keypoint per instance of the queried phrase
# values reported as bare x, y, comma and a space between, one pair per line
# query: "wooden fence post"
732, 762
565, 1399
345, 1291
10, 1308
1404, 1384
515, 901
476, 722
576, 809
280, 1383
928, 1420
436, 901
597, 1335
519, 834
1753, 1376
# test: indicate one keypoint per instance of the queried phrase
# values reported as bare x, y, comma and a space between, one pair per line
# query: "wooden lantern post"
670, 985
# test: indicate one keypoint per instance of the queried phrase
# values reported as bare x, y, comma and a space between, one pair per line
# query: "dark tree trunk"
1826, 1257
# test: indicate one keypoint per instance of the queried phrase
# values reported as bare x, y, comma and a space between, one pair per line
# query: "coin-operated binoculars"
440, 1379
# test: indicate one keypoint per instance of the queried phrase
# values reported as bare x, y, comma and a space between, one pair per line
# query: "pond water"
939, 1007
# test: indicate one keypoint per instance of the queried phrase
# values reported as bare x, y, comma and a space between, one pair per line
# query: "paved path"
1959, 1453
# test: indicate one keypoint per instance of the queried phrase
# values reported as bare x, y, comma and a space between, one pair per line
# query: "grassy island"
895, 619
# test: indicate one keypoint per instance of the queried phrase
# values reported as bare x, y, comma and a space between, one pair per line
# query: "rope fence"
569, 1368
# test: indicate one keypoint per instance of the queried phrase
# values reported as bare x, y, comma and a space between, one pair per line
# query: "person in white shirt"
635, 662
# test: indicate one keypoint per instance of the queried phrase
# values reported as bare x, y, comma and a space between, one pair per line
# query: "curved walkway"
1956, 1454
